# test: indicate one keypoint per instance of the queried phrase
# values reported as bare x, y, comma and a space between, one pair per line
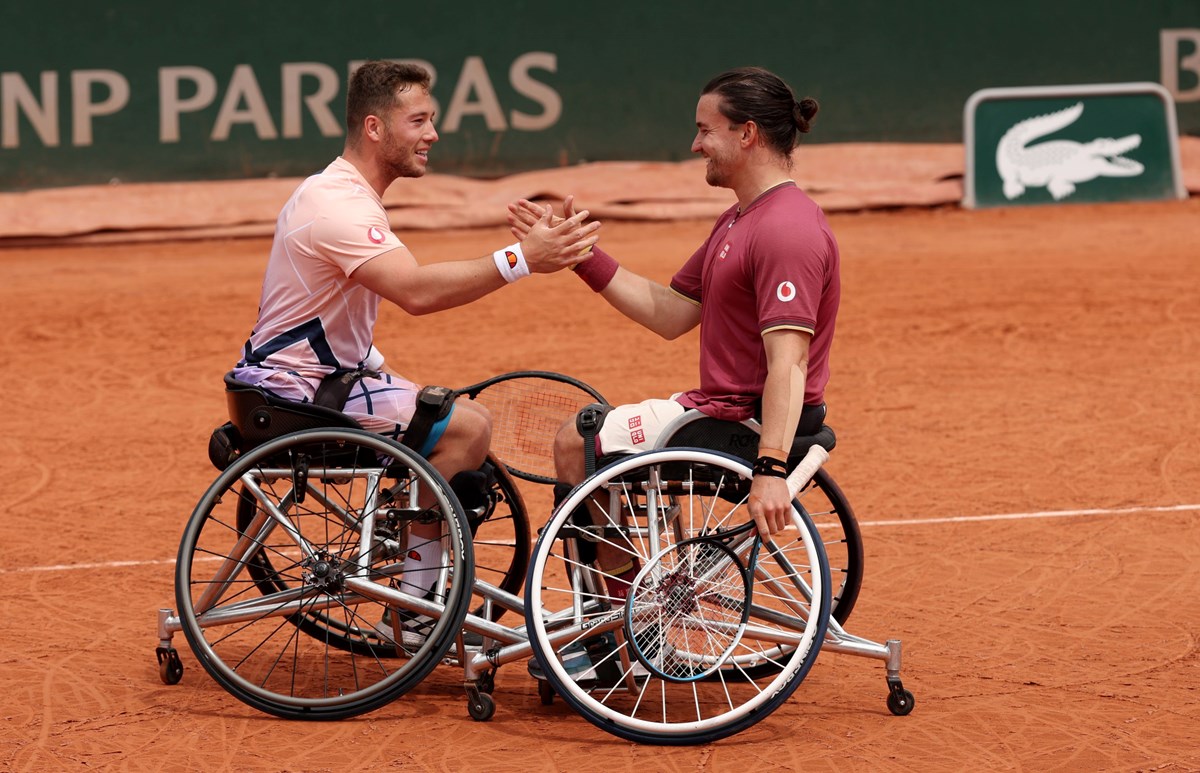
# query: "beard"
401, 161
714, 173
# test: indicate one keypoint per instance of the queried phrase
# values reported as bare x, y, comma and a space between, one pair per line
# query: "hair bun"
804, 111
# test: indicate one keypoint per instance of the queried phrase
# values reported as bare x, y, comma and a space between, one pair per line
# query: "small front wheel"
545, 692
900, 702
481, 708
170, 667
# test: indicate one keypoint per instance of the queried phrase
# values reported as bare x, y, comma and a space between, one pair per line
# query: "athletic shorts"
637, 426
383, 405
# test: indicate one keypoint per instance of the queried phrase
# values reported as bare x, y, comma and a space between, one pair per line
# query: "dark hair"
375, 87
755, 94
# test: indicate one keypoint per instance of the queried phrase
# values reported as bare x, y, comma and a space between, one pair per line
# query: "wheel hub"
325, 572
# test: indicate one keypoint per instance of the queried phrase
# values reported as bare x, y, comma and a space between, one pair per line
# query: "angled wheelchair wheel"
501, 537
291, 580
831, 513
691, 655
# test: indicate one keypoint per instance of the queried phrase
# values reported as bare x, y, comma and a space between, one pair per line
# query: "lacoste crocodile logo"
1059, 165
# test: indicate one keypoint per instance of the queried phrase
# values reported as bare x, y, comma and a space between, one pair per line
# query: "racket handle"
807, 468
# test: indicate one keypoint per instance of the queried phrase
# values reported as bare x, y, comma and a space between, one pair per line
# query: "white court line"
1042, 514
896, 522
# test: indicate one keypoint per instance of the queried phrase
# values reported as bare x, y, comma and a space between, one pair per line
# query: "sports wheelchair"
290, 581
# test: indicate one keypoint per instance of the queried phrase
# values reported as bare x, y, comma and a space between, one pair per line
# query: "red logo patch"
512, 258
635, 422
637, 436
376, 235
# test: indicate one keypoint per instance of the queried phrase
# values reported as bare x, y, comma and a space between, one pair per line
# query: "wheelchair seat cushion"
736, 439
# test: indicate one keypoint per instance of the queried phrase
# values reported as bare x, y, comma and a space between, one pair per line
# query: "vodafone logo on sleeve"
376, 235
786, 291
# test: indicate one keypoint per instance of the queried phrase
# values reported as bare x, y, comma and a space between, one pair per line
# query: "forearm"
642, 300
440, 286
650, 304
423, 289
782, 401
783, 392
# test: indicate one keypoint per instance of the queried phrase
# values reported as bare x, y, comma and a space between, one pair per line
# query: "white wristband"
511, 263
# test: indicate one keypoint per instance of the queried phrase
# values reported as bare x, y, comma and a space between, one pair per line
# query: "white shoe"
414, 630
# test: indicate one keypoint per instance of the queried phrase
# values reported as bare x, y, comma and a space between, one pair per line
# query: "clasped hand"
529, 221
548, 241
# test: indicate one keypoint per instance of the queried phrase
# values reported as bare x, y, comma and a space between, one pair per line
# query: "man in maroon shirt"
764, 288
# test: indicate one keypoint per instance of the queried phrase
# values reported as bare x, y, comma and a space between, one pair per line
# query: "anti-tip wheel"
481, 709
900, 702
545, 692
170, 667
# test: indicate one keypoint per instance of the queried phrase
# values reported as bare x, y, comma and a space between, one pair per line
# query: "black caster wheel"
900, 702
170, 667
545, 692
483, 709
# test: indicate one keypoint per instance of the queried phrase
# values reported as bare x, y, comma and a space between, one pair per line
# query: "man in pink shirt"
334, 257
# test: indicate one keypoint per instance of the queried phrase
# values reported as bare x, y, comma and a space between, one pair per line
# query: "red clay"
1001, 362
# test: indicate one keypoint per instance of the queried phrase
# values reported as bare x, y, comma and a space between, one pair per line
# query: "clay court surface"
1017, 400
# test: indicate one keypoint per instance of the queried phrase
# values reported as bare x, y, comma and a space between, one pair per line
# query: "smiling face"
406, 134
718, 141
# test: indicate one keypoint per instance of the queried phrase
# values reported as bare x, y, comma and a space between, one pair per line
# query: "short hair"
375, 88
755, 94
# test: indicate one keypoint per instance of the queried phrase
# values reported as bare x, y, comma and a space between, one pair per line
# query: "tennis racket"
688, 607
528, 408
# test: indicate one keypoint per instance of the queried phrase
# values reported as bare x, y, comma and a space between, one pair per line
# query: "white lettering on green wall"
311, 94
17, 99
1172, 45
83, 109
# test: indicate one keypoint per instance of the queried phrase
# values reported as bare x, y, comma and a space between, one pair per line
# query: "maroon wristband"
598, 270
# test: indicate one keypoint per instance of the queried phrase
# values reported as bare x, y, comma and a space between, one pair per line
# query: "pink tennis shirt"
774, 266
312, 318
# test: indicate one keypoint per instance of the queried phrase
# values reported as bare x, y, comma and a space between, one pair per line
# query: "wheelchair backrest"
260, 416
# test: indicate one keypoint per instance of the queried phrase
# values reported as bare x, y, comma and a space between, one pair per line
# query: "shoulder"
336, 185
792, 207
338, 195
792, 219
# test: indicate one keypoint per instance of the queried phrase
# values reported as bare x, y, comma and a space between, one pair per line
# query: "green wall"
524, 85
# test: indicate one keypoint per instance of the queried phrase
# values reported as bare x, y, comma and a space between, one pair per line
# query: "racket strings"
690, 610
527, 414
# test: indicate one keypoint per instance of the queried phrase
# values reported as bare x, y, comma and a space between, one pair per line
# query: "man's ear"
750, 134
372, 127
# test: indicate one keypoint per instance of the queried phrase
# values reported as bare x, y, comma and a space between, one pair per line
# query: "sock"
618, 580
421, 570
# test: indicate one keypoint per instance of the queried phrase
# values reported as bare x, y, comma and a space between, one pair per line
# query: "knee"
568, 443
476, 427
468, 433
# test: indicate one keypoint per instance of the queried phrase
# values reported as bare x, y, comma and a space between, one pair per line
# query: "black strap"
588, 423
433, 403
335, 388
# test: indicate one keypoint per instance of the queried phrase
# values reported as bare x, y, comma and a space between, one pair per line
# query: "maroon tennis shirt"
774, 266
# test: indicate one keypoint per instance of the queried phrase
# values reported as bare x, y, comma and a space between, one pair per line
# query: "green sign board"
1061, 144
144, 90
